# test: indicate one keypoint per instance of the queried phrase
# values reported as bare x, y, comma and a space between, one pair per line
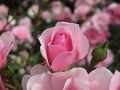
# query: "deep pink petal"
81, 40
53, 51
63, 61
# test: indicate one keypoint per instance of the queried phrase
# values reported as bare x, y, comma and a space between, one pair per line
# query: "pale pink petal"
115, 81
38, 87
76, 84
24, 81
59, 79
44, 40
42, 79
38, 69
93, 85
102, 76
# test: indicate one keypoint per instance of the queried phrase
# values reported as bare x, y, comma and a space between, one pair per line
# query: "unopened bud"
99, 54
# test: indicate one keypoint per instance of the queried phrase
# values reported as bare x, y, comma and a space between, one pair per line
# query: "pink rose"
25, 22
115, 81
63, 45
5, 46
94, 36
101, 20
3, 10
114, 11
82, 11
21, 32
75, 79
46, 15
3, 23
106, 62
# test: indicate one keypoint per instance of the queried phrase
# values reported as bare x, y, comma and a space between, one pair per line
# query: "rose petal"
94, 85
44, 40
81, 40
62, 61
115, 81
102, 76
24, 81
38, 69
38, 87
53, 51
59, 79
76, 84
42, 79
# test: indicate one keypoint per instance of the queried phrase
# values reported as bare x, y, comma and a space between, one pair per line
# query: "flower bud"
99, 54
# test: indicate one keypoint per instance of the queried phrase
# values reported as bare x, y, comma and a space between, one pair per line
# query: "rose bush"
63, 45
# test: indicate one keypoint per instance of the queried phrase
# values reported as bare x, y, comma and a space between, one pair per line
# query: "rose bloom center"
63, 40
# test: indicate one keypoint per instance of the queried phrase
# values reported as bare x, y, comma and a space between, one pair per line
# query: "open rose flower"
63, 45
5, 46
75, 79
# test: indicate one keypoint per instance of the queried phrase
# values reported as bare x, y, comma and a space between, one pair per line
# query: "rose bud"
63, 45
99, 54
